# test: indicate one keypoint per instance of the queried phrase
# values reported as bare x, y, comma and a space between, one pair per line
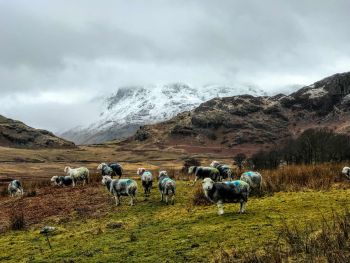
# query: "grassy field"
90, 228
154, 232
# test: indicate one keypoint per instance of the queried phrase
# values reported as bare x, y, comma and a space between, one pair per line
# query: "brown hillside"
16, 134
245, 122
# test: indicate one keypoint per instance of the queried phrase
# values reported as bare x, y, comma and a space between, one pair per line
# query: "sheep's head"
140, 171
101, 166
346, 171
214, 163
106, 179
66, 169
207, 184
191, 169
54, 179
162, 174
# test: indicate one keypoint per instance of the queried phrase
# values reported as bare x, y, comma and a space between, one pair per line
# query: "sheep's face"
140, 171
54, 178
190, 170
214, 163
207, 184
100, 166
346, 170
105, 179
66, 169
162, 173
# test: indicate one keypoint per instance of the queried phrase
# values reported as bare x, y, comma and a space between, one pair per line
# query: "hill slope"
16, 134
130, 107
248, 121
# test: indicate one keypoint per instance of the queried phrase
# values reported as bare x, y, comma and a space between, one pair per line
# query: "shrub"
199, 197
17, 221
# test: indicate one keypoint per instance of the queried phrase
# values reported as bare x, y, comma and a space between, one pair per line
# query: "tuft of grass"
329, 243
199, 197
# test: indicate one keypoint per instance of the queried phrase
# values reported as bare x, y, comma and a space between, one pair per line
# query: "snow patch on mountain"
129, 107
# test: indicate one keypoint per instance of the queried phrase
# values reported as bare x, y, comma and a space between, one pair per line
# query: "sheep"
254, 179
226, 192
77, 174
202, 172
15, 188
120, 187
225, 170
111, 169
146, 179
62, 180
346, 172
167, 187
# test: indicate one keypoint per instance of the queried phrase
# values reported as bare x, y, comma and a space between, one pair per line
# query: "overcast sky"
57, 56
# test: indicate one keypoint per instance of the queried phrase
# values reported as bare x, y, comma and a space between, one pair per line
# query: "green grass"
155, 232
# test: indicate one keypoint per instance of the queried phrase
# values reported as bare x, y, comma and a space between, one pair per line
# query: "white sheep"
346, 172
120, 187
78, 174
254, 179
15, 188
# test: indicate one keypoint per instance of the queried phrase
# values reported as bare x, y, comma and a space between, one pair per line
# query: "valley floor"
154, 232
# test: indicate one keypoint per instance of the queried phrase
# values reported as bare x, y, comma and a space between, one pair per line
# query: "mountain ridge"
232, 123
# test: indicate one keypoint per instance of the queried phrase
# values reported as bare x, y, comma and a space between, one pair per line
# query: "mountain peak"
133, 106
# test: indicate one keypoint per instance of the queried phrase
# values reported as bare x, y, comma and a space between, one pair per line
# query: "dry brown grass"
301, 177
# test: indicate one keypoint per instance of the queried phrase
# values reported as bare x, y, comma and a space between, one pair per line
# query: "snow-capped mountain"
133, 106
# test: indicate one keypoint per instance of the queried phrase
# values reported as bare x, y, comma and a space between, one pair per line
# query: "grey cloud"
93, 47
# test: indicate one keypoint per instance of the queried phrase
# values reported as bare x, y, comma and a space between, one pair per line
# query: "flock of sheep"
217, 183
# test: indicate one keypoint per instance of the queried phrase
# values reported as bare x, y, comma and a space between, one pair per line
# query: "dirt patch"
89, 201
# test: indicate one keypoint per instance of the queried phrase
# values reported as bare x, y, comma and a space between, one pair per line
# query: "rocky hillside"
16, 134
131, 107
256, 122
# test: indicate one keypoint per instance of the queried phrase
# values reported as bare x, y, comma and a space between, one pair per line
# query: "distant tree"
239, 160
311, 147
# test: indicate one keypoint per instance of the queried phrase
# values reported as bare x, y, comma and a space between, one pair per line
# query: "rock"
114, 225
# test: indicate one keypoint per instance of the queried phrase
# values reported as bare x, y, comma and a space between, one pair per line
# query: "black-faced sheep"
77, 174
62, 180
254, 179
111, 169
167, 187
226, 192
225, 170
15, 188
201, 172
346, 172
146, 180
120, 187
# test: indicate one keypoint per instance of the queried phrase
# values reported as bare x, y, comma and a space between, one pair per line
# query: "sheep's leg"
73, 182
117, 200
220, 208
173, 199
162, 197
132, 200
244, 207
166, 199
195, 180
